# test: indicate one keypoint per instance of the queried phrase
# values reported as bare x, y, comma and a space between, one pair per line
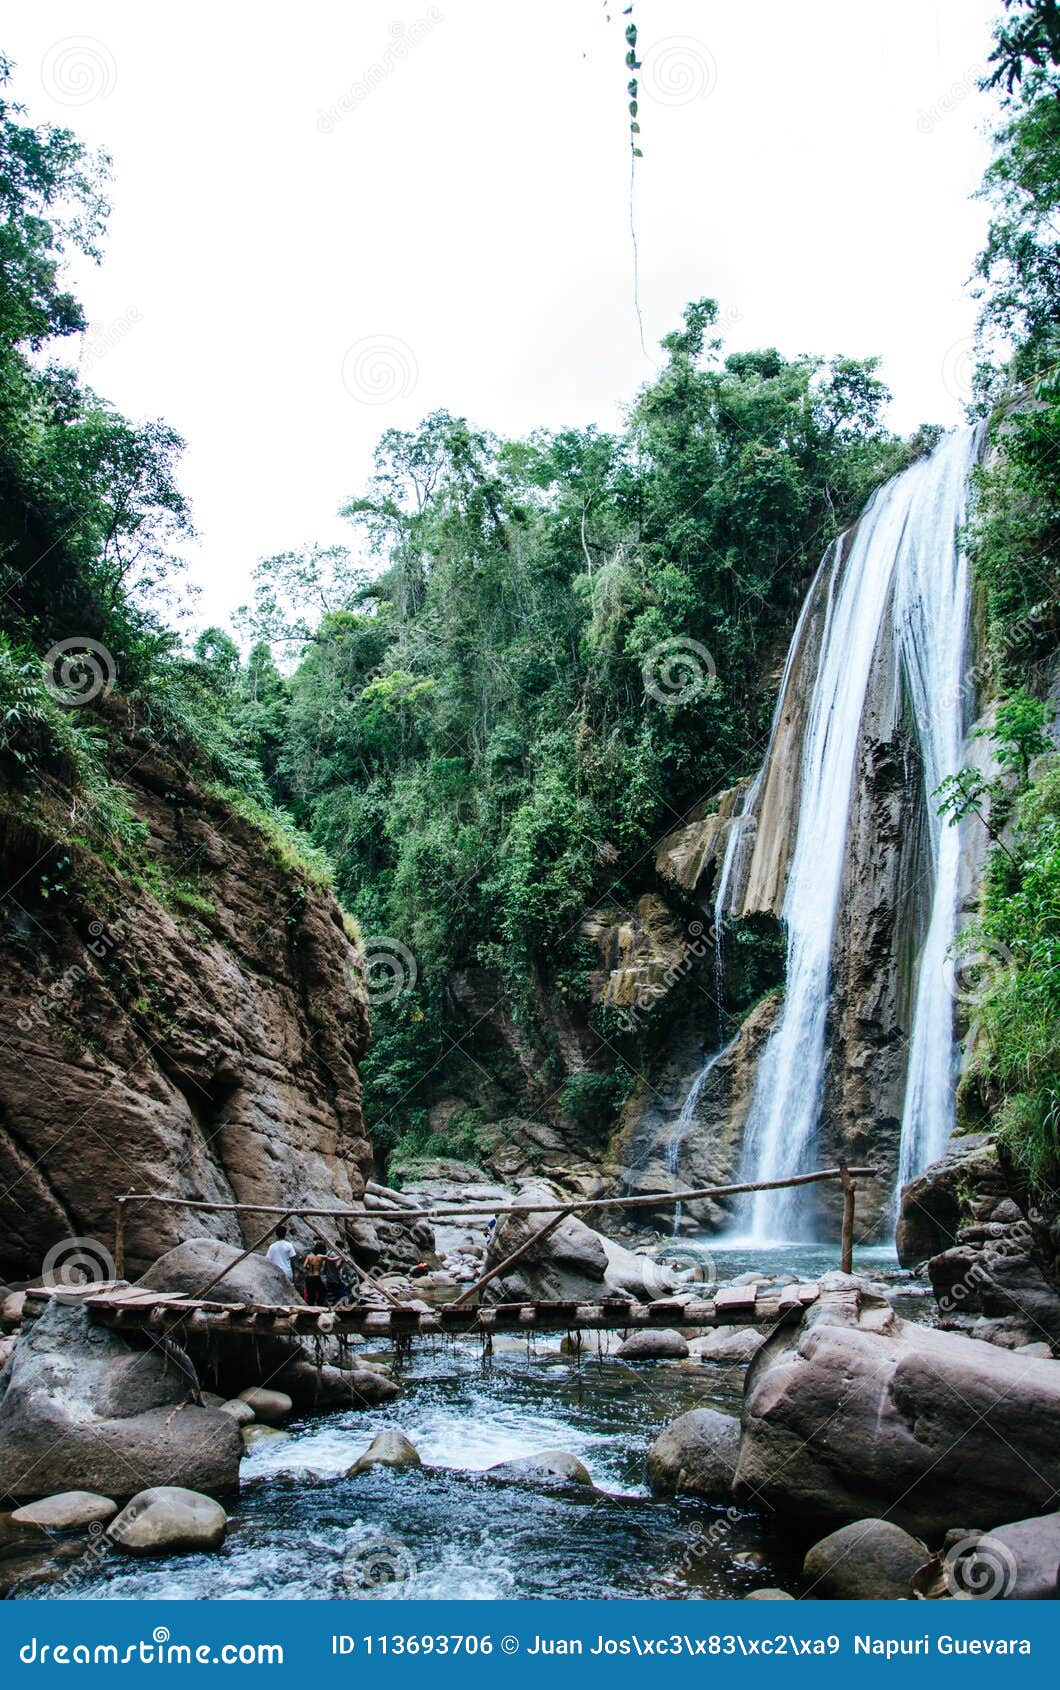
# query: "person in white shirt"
281, 1253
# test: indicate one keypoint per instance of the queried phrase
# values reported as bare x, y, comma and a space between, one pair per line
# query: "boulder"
272, 1408
696, 1456
168, 1520
191, 1265
11, 1310
662, 1345
82, 1409
737, 1345
872, 1560
321, 1390
932, 1206
857, 1414
240, 1411
389, 1448
66, 1512
768, 1596
547, 1467
1034, 1548
251, 1435
569, 1264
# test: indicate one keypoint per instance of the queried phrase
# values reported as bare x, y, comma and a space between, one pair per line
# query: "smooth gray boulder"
769, 1595
546, 1466
169, 1520
82, 1410
696, 1456
239, 1411
389, 1448
191, 1265
1034, 1546
735, 1345
271, 1408
871, 1560
663, 1344
69, 1511
857, 1414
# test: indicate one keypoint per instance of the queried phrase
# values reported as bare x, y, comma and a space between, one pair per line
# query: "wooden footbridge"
377, 1314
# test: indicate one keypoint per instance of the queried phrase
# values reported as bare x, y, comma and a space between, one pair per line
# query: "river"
302, 1531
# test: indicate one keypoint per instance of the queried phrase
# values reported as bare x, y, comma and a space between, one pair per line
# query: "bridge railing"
556, 1212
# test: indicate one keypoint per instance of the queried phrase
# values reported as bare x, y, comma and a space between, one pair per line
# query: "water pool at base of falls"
301, 1531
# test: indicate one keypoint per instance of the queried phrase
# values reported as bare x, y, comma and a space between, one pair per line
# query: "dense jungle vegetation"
536, 655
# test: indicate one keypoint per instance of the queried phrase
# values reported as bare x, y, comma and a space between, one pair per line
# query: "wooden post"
119, 1239
849, 1198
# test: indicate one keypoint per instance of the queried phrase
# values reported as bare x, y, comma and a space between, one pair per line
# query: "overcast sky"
331, 219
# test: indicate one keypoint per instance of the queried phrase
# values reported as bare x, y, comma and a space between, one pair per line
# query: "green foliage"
1020, 1014
561, 651
592, 1100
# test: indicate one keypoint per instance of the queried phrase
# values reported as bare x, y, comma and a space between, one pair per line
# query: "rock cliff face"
190, 1030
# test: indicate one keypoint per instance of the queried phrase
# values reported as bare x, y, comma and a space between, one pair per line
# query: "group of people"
319, 1269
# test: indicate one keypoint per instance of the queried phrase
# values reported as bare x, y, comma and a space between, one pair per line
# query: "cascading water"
904, 551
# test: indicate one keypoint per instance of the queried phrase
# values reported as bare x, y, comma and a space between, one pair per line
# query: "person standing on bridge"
315, 1264
281, 1253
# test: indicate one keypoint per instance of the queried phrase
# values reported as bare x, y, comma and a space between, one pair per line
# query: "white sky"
278, 201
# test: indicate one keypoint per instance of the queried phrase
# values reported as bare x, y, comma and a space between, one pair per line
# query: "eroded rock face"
857, 1414
82, 1410
198, 1040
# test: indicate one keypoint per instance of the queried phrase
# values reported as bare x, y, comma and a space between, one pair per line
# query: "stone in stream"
856, 1414
255, 1434
389, 1448
272, 1408
546, 1467
663, 1344
695, 1456
872, 1560
737, 1345
769, 1595
169, 1520
82, 1410
239, 1410
67, 1511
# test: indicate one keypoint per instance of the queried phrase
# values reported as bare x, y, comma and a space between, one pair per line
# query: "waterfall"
903, 554
931, 619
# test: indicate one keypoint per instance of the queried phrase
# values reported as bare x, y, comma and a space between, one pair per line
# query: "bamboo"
655, 1199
